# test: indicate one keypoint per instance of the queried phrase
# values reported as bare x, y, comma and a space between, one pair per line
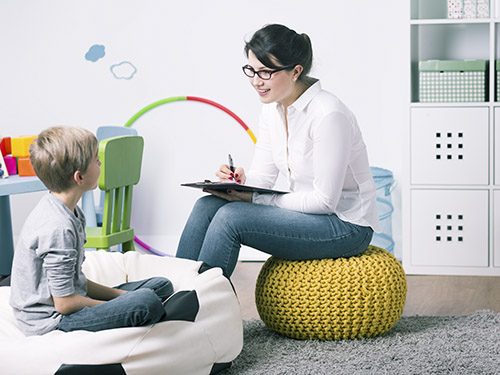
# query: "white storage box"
455, 9
497, 71
443, 81
483, 8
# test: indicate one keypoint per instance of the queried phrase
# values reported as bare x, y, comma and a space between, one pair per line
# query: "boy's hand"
101, 292
97, 294
73, 303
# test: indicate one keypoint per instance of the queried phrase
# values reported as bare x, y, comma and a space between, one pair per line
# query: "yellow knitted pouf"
332, 299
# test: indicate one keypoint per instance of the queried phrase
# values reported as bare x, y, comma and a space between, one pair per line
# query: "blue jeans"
141, 305
216, 229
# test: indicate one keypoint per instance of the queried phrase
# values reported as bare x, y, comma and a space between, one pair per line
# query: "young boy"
48, 288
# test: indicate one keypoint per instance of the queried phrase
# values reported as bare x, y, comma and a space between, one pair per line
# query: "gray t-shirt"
47, 262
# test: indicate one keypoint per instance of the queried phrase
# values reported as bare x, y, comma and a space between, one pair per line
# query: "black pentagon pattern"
108, 369
218, 367
204, 267
5, 282
183, 305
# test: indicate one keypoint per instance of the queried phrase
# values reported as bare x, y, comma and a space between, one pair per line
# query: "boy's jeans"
141, 305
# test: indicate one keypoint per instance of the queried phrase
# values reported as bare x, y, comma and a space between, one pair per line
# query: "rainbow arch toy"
176, 99
196, 99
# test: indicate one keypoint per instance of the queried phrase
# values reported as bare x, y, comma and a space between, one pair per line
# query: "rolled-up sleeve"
59, 262
59, 265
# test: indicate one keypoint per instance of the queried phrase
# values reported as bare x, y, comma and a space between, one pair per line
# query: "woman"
308, 135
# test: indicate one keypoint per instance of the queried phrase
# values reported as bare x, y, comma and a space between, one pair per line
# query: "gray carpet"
415, 345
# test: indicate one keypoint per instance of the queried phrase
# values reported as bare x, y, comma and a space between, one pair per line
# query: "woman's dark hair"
277, 44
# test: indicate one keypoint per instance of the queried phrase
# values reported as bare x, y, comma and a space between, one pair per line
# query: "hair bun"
276, 46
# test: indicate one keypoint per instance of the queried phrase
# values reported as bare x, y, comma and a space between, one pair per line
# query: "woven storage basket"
332, 299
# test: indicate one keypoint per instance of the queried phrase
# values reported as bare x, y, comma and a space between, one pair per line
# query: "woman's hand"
232, 195
224, 173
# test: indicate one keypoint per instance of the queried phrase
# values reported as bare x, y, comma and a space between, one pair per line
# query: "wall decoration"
95, 53
175, 99
123, 70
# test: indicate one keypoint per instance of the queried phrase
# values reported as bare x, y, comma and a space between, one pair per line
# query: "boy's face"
93, 172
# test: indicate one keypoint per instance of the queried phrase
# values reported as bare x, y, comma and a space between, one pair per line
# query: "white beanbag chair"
208, 336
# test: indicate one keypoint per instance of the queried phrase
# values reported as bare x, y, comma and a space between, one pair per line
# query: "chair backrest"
93, 213
104, 132
121, 159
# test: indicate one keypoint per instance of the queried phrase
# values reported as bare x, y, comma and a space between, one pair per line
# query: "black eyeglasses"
263, 74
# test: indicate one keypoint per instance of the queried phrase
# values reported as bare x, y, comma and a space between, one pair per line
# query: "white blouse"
324, 159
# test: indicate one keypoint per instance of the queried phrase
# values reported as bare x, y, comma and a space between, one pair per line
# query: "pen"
231, 165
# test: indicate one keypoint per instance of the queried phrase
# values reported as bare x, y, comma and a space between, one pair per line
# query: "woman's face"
280, 88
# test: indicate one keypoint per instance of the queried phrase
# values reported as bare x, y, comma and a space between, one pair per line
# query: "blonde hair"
58, 152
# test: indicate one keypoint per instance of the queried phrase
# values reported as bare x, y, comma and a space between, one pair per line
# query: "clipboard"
207, 184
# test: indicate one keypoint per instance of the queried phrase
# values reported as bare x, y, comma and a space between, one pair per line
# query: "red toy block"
11, 164
5, 146
24, 167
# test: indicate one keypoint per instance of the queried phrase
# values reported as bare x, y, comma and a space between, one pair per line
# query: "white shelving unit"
451, 190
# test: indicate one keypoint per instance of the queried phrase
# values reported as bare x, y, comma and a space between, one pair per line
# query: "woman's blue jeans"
141, 305
216, 229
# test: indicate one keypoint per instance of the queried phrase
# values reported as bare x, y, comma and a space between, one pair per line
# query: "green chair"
121, 159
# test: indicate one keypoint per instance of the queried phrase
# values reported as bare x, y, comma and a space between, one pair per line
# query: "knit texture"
332, 299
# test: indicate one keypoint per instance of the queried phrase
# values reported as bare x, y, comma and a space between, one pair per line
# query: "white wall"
193, 48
